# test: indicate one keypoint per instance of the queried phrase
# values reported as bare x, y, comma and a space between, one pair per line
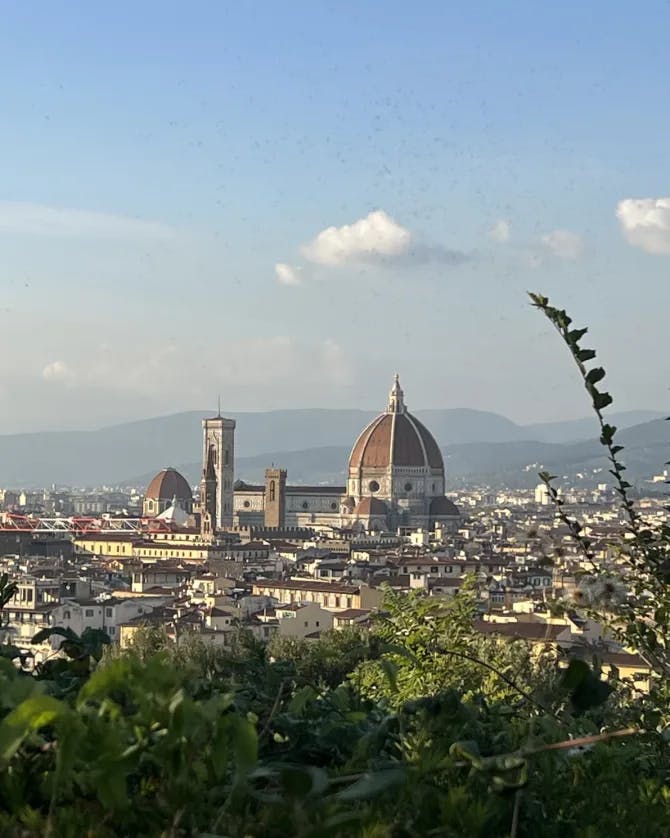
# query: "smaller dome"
443, 506
370, 506
175, 515
168, 484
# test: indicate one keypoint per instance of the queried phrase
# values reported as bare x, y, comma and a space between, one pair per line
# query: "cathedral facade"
395, 479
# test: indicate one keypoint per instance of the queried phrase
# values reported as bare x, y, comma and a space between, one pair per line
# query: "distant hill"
580, 429
313, 444
512, 464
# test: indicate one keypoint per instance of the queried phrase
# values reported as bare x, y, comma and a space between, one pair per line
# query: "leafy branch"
645, 549
600, 399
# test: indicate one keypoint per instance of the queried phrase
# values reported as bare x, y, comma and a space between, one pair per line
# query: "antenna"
218, 412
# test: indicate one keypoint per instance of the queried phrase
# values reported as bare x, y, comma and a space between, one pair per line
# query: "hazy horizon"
285, 205
83, 427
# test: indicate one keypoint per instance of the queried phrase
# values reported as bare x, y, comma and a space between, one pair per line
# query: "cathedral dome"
396, 438
169, 484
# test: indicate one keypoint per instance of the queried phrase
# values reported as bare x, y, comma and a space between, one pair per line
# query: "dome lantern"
396, 397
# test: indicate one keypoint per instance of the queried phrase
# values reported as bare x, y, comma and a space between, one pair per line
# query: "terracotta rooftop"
167, 484
396, 439
525, 631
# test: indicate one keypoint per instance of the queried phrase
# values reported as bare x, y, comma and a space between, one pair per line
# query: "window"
373, 486
306, 623
272, 491
317, 624
408, 487
89, 612
305, 505
108, 612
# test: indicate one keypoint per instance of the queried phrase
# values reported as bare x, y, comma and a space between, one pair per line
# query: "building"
167, 487
395, 480
218, 474
302, 619
330, 596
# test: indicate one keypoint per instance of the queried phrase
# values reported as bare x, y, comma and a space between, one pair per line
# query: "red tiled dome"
168, 484
397, 439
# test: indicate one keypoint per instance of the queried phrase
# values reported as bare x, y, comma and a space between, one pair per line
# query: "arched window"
272, 491
226, 457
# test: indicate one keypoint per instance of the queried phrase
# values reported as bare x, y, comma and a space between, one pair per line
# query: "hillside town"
275, 560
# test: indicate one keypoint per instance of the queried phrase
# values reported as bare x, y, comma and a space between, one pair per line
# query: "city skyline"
286, 208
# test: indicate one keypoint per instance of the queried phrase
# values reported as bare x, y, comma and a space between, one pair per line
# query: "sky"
284, 204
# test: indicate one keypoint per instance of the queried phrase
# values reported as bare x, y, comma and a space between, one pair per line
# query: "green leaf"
576, 671
468, 750
538, 300
57, 631
595, 375
575, 335
585, 355
374, 784
114, 675
301, 781
601, 400
391, 671
33, 713
301, 699
245, 743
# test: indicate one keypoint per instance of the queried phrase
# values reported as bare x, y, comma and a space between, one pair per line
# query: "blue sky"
160, 159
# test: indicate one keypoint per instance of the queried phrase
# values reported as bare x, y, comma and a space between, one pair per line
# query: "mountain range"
314, 446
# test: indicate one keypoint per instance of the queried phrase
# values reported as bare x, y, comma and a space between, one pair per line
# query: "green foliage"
435, 731
430, 646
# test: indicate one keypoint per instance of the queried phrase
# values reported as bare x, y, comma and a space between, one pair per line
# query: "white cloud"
287, 274
373, 238
57, 371
43, 220
500, 232
564, 244
645, 223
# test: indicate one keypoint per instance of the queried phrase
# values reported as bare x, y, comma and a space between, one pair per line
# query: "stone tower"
218, 473
275, 497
